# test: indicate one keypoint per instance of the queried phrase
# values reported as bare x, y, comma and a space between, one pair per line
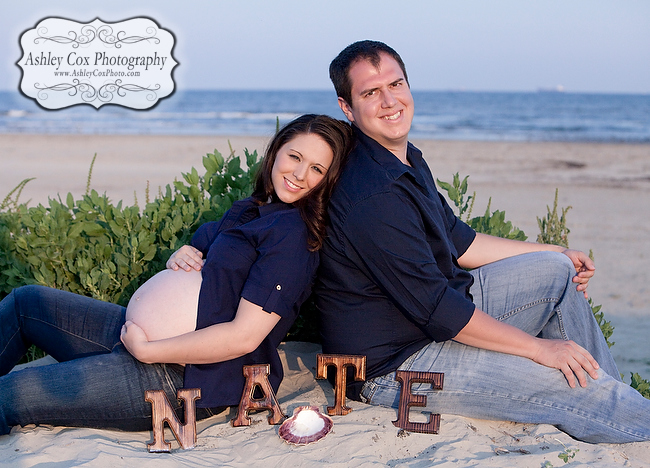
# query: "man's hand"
585, 269
569, 357
135, 341
187, 258
483, 331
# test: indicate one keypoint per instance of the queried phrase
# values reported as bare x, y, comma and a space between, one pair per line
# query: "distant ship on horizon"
556, 89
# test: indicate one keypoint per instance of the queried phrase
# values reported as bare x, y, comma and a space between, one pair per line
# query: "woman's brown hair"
313, 206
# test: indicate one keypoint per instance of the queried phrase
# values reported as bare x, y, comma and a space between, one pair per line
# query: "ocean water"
535, 116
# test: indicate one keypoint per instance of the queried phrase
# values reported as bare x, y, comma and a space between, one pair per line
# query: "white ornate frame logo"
66, 63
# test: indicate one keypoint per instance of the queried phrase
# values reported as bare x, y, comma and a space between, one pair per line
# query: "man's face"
382, 105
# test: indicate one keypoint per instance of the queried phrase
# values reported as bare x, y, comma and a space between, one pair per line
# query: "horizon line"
539, 90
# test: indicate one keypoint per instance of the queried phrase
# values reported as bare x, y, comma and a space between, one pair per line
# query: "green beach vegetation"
96, 248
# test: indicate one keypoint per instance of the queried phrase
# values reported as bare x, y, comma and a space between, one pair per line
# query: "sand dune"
608, 186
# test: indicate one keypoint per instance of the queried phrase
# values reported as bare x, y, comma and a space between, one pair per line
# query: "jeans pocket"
367, 391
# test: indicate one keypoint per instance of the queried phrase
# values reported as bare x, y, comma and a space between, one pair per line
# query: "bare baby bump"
167, 304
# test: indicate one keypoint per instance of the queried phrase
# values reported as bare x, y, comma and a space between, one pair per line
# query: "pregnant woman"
225, 301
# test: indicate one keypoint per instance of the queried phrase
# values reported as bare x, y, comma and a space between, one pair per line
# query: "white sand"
607, 185
365, 437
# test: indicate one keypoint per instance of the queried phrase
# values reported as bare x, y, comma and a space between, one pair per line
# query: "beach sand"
364, 437
607, 185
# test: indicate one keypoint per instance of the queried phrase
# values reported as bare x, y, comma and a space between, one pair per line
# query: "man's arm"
216, 343
412, 279
483, 331
487, 249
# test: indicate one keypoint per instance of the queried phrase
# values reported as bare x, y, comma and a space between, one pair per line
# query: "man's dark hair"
361, 50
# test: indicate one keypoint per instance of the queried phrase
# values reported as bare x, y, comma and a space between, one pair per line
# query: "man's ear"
346, 108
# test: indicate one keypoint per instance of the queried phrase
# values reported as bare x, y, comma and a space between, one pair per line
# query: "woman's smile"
291, 185
300, 165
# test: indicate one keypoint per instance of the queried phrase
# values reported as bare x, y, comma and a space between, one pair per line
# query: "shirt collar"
248, 209
388, 160
273, 207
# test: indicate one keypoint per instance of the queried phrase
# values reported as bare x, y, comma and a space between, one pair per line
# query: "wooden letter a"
162, 411
341, 362
407, 399
257, 376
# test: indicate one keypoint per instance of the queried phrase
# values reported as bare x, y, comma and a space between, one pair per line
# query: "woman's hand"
569, 357
135, 341
187, 258
585, 269
216, 343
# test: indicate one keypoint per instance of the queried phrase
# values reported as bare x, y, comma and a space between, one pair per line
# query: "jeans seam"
9, 342
558, 312
66, 332
374, 387
167, 378
541, 403
526, 306
406, 365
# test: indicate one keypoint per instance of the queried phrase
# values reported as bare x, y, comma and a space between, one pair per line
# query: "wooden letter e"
407, 399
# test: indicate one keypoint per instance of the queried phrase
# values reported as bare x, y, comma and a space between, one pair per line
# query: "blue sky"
486, 45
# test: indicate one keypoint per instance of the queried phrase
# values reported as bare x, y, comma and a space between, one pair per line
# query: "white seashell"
307, 425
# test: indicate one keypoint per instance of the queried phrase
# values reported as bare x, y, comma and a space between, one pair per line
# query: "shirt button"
278, 287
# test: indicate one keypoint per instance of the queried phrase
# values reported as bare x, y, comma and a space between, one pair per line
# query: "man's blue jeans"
96, 383
535, 293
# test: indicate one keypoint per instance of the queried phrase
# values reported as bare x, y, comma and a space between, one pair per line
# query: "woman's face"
300, 165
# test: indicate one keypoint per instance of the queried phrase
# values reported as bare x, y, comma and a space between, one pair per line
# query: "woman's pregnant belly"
167, 304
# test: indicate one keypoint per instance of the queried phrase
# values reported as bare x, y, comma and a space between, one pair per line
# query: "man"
514, 336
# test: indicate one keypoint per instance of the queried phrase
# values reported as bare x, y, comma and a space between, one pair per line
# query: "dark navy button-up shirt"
259, 253
389, 281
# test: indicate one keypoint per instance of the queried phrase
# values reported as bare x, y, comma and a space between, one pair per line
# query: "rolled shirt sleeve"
282, 273
387, 233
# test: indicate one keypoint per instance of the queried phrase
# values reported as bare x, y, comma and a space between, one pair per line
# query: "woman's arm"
216, 343
483, 331
487, 249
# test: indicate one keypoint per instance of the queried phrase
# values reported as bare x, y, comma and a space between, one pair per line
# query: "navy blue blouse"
389, 281
259, 253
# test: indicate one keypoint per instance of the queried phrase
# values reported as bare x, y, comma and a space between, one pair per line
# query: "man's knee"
558, 264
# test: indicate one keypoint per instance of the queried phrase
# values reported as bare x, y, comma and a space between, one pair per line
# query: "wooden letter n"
408, 399
257, 376
161, 411
341, 362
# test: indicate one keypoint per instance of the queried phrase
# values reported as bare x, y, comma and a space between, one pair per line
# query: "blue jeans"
535, 293
96, 383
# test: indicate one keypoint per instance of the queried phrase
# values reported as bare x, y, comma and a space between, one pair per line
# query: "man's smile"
395, 116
